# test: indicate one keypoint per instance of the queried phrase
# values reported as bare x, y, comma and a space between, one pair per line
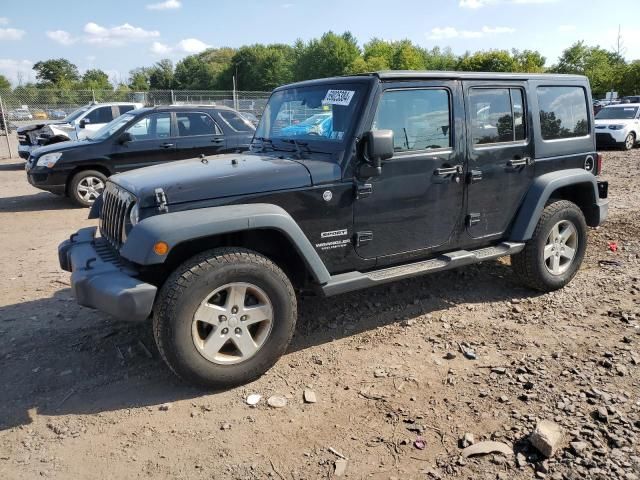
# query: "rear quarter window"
563, 112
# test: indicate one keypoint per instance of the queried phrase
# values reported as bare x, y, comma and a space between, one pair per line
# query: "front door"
152, 143
500, 155
198, 135
417, 201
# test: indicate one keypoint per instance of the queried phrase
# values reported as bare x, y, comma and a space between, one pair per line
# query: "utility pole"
5, 123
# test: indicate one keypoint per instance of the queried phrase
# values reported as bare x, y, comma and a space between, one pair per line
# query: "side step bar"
346, 282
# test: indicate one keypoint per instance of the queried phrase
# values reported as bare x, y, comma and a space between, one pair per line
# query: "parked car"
143, 137
631, 99
618, 125
318, 124
250, 117
56, 114
20, 114
40, 115
458, 169
76, 126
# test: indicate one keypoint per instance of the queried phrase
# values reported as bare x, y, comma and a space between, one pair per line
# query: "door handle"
443, 172
217, 140
167, 145
519, 162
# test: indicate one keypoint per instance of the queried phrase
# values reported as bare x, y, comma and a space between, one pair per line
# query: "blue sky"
117, 36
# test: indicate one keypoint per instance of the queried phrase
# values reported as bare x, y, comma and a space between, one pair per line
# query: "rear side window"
100, 115
236, 122
563, 112
420, 119
195, 123
497, 115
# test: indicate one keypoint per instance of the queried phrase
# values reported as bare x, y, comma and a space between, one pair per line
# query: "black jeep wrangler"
351, 182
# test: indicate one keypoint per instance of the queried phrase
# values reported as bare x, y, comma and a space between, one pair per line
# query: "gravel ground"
84, 396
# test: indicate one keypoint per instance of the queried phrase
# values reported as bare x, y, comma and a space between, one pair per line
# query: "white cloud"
117, 36
16, 70
187, 46
61, 36
11, 34
451, 32
168, 5
4, 21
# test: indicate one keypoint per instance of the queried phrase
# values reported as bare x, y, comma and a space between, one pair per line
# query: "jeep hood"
215, 177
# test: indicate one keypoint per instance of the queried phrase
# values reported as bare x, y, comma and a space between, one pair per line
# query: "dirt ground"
83, 396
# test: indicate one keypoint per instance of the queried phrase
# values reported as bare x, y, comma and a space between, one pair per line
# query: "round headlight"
134, 214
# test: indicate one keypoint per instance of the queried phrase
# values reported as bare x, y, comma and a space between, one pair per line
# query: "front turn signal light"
161, 248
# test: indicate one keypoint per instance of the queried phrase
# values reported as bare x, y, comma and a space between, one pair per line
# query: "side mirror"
125, 137
378, 146
84, 122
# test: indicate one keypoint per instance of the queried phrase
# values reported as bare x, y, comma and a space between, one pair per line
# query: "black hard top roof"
407, 75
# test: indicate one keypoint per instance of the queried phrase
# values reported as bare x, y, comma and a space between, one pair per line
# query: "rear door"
500, 155
239, 131
198, 134
96, 119
153, 142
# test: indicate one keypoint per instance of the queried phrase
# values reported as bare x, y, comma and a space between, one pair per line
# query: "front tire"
553, 255
224, 317
86, 186
629, 142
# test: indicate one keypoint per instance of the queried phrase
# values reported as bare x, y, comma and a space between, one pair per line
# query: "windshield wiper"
265, 141
297, 144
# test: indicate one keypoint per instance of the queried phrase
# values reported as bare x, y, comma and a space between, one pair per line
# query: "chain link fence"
25, 105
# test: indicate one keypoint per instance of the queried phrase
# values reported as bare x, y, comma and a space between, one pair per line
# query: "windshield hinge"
364, 190
161, 200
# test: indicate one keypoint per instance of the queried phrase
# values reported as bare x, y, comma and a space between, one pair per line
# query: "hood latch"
161, 200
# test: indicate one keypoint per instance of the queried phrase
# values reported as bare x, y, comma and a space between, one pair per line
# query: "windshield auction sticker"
338, 97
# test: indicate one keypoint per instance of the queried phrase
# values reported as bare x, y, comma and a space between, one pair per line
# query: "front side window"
420, 119
151, 127
323, 113
195, 123
563, 112
236, 122
100, 115
112, 127
497, 115
125, 108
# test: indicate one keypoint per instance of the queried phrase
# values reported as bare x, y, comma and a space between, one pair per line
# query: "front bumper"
610, 137
99, 280
46, 179
24, 151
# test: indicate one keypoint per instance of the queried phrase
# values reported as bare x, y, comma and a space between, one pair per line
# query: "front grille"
116, 204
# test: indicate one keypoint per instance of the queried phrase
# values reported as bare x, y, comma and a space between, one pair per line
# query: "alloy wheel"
90, 188
561, 247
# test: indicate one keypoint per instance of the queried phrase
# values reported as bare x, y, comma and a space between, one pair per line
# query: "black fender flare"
175, 228
542, 190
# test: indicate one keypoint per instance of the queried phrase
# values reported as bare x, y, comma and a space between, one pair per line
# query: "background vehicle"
76, 126
318, 124
20, 114
618, 125
140, 138
56, 114
250, 117
631, 99
421, 172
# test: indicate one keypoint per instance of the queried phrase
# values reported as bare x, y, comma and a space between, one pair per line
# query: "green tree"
161, 75
194, 73
630, 83
407, 56
325, 57
96, 79
603, 68
139, 79
4, 83
262, 67
57, 73
529, 61
488, 61
437, 59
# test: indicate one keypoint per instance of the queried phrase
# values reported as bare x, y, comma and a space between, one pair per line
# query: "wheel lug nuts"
238, 331
243, 318
234, 310
223, 318
225, 331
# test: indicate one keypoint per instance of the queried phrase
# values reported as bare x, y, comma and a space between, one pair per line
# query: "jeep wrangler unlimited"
351, 182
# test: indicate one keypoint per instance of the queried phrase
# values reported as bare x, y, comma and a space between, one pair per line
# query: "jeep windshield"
617, 113
321, 115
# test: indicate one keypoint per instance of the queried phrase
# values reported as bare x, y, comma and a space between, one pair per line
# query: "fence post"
5, 123
93, 95
173, 100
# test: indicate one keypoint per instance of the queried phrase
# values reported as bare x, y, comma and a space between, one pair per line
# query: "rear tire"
629, 142
553, 255
224, 317
86, 186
